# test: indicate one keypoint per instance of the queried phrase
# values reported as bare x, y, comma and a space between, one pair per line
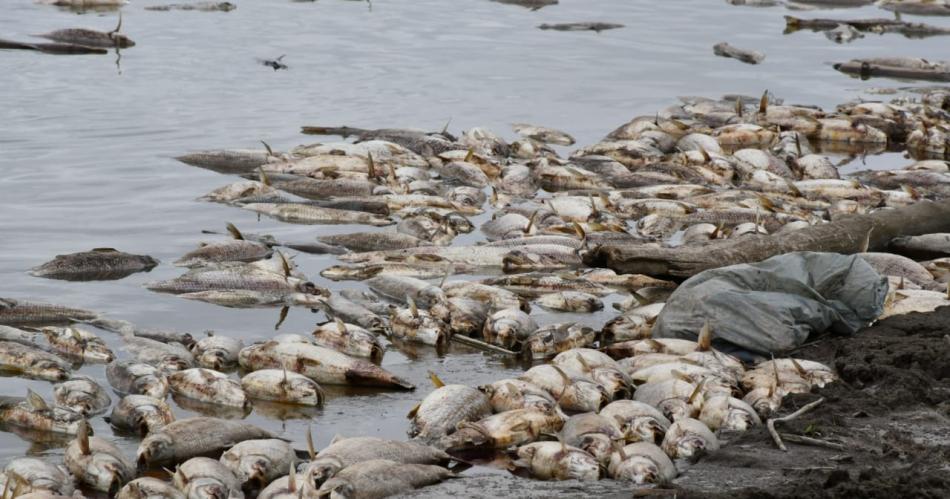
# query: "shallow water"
86, 142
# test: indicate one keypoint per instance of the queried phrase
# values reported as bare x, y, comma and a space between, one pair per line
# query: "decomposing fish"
923, 247
442, 410
729, 413
309, 214
689, 439
81, 394
136, 378
510, 394
206, 478
345, 452
354, 313
723, 49
259, 461
32, 362
77, 343
148, 488
503, 430
641, 463
675, 398
320, 364
217, 352
141, 414
418, 326
210, 387
286, 487
33, 413
349, 339
573, 393
373, 241
593, 26
464, 316
274, 64
557, 461
186, 438
570, 301
379, 478
98, 463
539, 284
228, 161
592, 433
917, 7
543, 134
32, 475
280, 385
237, 250
199, 6
556, 338
166, 357
402, 289
639, 422
508, 328
97, 264
20, 313
91, 38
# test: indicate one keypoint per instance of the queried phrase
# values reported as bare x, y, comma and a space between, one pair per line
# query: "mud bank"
889, 416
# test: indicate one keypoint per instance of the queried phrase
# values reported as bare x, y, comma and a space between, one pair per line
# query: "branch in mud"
771, 422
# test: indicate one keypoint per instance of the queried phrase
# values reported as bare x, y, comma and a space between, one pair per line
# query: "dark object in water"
896, 67
598, 27
51, 48
274, 63
723, 49
200, 6
100, 264
90, 37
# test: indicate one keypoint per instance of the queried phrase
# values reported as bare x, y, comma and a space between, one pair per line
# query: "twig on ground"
771, 422
801, 439
481, 345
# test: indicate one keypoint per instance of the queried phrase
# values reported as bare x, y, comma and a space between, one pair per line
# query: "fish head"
309, 288
690, 447
98, 353
505, 333
207, 489
50, 369
321, 470
644, 429
638, 469
467, 436
213, 359
67, 421
675, 409
156, 448
255, 470
109, 473
518, 260
598, 445
820, 377
738, 419
337, 489
153, 386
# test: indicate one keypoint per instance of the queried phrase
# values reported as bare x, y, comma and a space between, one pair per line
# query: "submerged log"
846, 235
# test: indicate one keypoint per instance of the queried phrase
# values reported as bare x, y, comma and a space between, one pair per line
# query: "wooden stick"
771, 422
481, 345
801, 439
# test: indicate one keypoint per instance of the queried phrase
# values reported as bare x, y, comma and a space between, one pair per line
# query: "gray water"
86, 142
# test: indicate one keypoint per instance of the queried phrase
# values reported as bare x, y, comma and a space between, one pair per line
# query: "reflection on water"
87, 142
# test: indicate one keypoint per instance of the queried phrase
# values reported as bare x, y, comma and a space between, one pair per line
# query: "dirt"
888, 417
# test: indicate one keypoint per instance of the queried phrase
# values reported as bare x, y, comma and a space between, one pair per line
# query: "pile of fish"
595, 400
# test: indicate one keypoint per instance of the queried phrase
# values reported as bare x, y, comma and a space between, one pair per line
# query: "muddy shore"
888, 417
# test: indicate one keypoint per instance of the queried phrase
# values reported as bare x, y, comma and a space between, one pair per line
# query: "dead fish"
689, 439
916, 7
147, 488
510, 394
538, 284
206, 478
98, 264
373, 241
91, 38
35, 414
596, 26
641, 463
217, 352
309, 214
210, 387
379, 478
464, 316
35, 475
444, 408
418, 326
15, 335
237, 250
570, 301
136, 378
345, 452
557, 461
843, 33
279, 385
723, 49
20, 313
675, 398
508, 328
141, 414
32, 362
914, 300
349, 339
923, 247
125, 328
402, 289
573, 393
593, 433
496, 297
77, 343
729, 413
228, 161
352, 312
530, 4
320, 364
638, 421
97, 463
167, 357
543, 134
259, 462
503, 430
81, 394
186, 438
200, 6
556, 338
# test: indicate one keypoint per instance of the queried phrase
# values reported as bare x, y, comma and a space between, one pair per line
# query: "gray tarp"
772, 306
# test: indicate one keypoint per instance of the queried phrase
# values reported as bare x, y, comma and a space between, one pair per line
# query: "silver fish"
32, 362
503, 430
509, 394
259, 461
442, 410
641, 463
81, 394
593, 433
148, 488
217, 352
508, 328
36, 475
418, 326
237, 250
210, 387
401, 289
186, 438
382, 478
345, 452
349, 339
141, 414
166, 357
725, 412
689, 439
20, 313
136, 378
206, 478
639, 422
282, 386
557, 461
33, 413
373, 241
98, 463
308, 214
570, 301
77, 343
543, 134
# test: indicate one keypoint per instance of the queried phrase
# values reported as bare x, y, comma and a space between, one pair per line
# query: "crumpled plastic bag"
774, 305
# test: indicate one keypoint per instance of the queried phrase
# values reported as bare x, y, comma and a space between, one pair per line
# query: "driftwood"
846, 235
770, 424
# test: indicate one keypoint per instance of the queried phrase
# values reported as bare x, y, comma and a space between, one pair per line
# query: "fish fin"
659, 347
263, 176
680, 376
696, 391
531, 220
706, 157
270, 152
704, 342
83, 438
618, 448
436, 380
415, 410
448, 272
867, 241
900, 285
764, 102
340, 326
798, 367
564, 376
284, 264
235, 233
311, 450
337, 438
118, 26
36, 401
739, 107
282, 317
413, 309
766, 203
292, 478
584, 364
370, 166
